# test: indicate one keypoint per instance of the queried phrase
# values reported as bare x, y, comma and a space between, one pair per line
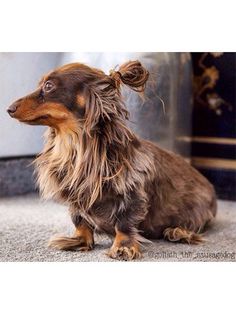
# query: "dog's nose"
12, 109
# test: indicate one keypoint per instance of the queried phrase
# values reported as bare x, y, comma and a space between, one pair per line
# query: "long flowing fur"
96, 150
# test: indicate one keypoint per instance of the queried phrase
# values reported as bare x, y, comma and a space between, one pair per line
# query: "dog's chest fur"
58, 178
101, 215
54, 168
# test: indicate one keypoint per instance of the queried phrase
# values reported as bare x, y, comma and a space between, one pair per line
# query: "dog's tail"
183, 235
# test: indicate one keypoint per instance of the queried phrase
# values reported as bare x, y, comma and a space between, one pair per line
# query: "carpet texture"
27, 223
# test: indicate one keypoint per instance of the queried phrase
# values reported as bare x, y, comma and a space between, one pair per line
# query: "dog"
113, 181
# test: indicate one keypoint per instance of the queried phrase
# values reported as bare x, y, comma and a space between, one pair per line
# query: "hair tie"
116, 76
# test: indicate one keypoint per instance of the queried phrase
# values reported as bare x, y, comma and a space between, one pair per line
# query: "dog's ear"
93, 110
103, 105
102, 101
132, 74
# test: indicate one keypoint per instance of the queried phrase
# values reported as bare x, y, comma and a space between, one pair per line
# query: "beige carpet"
26, 224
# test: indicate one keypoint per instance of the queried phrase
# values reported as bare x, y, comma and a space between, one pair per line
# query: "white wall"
19, 75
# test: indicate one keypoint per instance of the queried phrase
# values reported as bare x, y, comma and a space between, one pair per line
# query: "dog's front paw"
125, 253
82, 240
71, 243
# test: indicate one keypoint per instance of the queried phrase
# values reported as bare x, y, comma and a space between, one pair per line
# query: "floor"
26, 224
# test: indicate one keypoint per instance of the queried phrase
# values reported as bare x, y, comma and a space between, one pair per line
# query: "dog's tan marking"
82, 240
86, 233
124, 247
57, 115
80, 100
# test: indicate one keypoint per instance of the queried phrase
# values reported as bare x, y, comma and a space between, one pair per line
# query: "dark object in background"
214, 120
16, 176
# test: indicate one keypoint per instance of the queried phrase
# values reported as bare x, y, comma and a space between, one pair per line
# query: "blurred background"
189, 108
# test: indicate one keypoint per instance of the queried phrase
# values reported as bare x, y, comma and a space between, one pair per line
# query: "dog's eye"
48, 86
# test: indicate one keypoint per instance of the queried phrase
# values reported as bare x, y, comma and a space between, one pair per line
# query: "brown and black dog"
113, 181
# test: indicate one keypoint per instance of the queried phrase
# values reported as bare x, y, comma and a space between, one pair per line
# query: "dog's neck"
82, 163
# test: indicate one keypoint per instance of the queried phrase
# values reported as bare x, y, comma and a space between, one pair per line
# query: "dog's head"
78, 93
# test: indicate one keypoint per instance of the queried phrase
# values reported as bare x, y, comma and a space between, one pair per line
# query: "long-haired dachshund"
113, 181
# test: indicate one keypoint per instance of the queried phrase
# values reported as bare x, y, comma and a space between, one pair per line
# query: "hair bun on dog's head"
131, 73
116, 76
